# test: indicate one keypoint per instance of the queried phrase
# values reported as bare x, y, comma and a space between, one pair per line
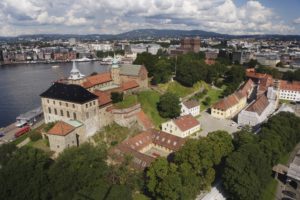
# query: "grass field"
40, 144
178, 89
114, 134
127, 102
148, 100
214, 95
270, 191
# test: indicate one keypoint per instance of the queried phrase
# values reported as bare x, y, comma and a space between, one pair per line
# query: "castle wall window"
55, 111
49, 110
62, 113
74, 116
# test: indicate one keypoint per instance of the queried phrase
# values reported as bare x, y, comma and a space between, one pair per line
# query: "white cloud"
297, 21
113, 16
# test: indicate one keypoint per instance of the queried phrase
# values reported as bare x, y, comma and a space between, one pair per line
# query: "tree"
148, 60
163, 180
117, 97
79, 171
24, 176
245, 172
6, 152
162, 71
169, 105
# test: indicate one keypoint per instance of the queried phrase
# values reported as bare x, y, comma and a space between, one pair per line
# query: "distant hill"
147, 34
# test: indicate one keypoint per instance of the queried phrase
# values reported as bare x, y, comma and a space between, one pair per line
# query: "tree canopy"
191, 170
169, 105
248, 169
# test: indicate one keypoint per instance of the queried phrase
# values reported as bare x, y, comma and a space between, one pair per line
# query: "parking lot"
210, 124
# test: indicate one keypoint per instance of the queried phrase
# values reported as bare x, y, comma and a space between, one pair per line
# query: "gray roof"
130, 70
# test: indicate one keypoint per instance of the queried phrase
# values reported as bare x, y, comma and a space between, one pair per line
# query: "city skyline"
112, 17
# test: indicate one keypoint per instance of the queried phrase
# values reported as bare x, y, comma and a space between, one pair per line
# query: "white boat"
84, 59
30, 117
55, 66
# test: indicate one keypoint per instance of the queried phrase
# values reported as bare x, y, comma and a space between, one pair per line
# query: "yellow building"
231, 105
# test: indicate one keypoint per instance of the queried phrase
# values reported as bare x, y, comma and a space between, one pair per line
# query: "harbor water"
21, 85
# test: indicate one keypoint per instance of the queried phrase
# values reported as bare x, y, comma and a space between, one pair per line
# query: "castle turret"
115, 71
75, 76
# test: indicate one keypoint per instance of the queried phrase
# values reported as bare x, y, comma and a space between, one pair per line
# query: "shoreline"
43, 62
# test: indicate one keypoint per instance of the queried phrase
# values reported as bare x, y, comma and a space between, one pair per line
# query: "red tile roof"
247, 87
134, 145
129, 85
226, 102
145, 120
97, 79
61, 128
250, 73
293, 86
186, 122
103, 97
259, 105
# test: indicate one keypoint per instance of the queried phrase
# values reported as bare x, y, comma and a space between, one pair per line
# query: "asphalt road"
210, 124
12, 129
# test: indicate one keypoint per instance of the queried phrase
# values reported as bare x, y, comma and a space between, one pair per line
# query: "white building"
289, 90
259, 110
190, 107
101, 47
183, 126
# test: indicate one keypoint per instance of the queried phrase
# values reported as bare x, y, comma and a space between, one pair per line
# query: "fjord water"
21, 85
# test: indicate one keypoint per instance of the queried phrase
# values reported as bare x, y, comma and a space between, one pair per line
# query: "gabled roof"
134, 145
226, 102
186, 122
191, 104
130, 70
103, 97
144, 119
61, 128
292, 86
69, 92
129, 85
97, 79
259, 105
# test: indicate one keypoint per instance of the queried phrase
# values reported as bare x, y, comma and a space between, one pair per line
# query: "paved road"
12, 129
210, 124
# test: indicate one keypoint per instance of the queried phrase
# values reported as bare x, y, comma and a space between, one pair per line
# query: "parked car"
22, 131
289, 193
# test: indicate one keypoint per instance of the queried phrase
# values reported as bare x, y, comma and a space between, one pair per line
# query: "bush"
117, 97
49, 126
34, 136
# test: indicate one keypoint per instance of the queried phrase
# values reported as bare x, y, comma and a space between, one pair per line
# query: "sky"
18, 17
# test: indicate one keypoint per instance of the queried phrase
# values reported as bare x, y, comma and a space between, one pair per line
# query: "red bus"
22, 131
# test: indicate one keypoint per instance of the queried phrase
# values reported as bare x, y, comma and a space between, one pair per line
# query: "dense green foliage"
169, 105
34, 135
191, 170
160, 68
78, 173
292, 76
233, 78
117, 97
24, 176
248, 169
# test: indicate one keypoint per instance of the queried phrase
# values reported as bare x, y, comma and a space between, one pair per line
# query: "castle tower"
75, 76
115, 72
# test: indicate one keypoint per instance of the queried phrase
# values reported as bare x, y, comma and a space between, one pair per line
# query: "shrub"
117, 97
35, 136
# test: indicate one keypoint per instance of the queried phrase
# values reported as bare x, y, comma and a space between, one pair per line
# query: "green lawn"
40, 144
114, 134
127, 102
138, 196
178, 89
148, 100
214, 95
270, 190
